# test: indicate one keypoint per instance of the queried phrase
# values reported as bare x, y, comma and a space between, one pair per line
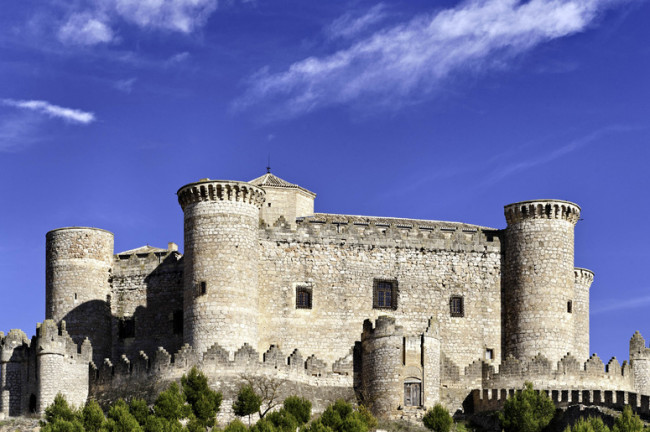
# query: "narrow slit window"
177, 322
569, 306
203, 288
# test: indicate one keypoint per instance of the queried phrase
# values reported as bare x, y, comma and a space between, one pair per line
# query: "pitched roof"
270, 180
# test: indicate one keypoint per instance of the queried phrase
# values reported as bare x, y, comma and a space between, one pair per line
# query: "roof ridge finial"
268, 165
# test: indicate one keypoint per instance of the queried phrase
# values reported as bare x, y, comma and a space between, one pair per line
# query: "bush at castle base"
592, 424
628, 422
527, 411
298, 407
438, 419
342, 417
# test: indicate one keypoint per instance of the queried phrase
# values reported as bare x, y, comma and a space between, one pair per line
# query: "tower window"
303, 297
384, 294
569, 306
177, 322
489, 354
126, 328
456, 306
203, 288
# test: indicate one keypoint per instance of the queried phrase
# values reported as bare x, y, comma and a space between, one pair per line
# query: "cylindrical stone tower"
381, 364
221, 259
539, 279
583, 280
78, 273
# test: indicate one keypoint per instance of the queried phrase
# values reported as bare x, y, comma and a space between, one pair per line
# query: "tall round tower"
78, 265
539, 279
221, 259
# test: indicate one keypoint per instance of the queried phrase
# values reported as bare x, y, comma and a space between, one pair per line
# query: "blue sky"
439, 110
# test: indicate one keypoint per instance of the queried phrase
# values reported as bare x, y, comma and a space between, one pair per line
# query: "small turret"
640, 361
583, 281
284, 201
13, 371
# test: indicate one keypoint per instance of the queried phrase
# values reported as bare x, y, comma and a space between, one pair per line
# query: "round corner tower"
221, 221
78, 264
539, 279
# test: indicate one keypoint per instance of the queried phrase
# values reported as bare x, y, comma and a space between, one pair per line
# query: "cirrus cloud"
70, 115
404, 62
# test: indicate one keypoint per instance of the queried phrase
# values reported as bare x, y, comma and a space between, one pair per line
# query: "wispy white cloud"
618, 305
349, 25
92, 23
404, 62
85, 29
125, 85
67, 114
507, 170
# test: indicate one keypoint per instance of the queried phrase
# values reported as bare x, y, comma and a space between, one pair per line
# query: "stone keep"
403, 312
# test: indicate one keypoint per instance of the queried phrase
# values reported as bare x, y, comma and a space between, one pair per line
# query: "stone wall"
339, 258
148, 289
287, 204
78, 273
583, 281
145, 377
539, 279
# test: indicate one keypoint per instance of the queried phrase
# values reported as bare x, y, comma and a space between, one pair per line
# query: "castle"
401, 313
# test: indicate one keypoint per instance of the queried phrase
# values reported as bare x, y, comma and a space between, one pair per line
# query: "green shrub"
119, 419
140, 410
159, 424
236, 426
299, 408
247, 402
527, 411
60, 425
93, 416
205, 402
60, 410
591, 424
263, 425
170, 404
282, 420
438, 419
367, 417
317, 426
628, 421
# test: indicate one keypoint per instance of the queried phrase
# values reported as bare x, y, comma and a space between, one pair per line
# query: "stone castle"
399, 313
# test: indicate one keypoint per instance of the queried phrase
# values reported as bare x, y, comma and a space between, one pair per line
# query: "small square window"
384, 294
489, 354
569, 306
456, 306
303, 297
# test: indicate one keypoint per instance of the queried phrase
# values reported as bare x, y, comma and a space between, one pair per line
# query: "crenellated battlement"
216, 359
377, 231
494, 399
53, 338
567, 373
220, 190
584, 277
542, 209
14, 346
384, 327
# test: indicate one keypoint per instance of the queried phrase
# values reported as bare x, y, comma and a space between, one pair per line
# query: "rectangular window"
456, 307
126, 328
303, 297
385, 294
203, 288
489, 354
569, 306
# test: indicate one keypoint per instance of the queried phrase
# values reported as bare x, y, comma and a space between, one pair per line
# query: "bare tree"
268, 389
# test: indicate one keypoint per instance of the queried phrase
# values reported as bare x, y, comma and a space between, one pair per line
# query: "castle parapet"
220, 190
14, 354
542, 209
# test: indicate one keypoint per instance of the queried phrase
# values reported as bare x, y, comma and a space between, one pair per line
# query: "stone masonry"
399, 313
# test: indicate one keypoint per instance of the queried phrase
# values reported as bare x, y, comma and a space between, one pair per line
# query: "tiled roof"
142, 250
271, 180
